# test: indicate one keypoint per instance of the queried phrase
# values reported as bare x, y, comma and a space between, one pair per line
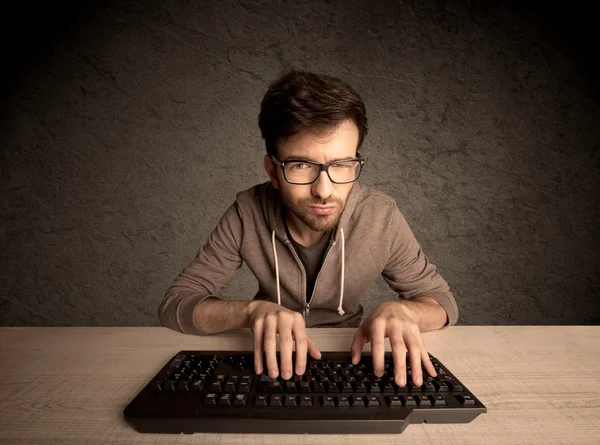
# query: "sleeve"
212, 269
409, 272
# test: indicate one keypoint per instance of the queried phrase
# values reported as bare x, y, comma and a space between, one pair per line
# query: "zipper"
317, 279
306, 303
306, 306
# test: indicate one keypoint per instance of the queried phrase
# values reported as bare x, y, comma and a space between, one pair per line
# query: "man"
314, 239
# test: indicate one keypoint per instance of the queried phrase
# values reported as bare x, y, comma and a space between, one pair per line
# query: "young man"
314, 239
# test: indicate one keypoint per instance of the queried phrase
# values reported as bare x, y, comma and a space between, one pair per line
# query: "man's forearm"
215, 315
427, 312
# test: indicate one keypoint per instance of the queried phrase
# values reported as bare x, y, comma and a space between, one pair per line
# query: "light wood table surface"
540, 384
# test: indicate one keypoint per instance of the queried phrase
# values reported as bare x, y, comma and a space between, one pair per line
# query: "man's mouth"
322, 210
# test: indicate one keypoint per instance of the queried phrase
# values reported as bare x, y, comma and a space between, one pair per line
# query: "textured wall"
128, 127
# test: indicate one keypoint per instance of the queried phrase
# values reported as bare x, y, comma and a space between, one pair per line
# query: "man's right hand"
266, 319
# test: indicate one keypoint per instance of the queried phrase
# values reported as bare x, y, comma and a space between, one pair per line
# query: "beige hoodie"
372, 238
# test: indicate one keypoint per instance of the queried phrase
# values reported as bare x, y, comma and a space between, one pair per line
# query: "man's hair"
302, 101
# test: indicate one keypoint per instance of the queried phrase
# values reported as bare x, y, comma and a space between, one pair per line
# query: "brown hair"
303, 101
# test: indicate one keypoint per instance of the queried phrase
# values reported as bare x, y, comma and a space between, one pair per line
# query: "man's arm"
213, 268
214, 315
416, 280
427, 312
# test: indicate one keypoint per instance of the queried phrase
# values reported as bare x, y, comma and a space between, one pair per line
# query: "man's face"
318, 205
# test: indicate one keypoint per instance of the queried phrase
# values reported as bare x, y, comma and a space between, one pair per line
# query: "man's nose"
322, 187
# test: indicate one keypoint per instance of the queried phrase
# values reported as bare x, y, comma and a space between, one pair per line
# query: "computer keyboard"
219, 392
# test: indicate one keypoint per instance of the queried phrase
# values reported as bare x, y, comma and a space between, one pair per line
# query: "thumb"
313, 350
357, 345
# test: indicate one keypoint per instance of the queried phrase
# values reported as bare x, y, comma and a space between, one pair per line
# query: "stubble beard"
318, 223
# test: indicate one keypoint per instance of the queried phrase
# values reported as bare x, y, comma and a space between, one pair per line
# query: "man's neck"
301, 233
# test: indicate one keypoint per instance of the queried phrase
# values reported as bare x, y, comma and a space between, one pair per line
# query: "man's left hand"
392, 320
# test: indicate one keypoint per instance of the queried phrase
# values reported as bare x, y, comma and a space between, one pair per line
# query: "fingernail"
273, 373
258, 370
299, 371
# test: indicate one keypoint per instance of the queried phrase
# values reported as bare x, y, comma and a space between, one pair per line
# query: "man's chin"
323, 223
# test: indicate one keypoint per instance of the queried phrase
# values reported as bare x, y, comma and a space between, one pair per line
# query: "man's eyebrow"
304, 158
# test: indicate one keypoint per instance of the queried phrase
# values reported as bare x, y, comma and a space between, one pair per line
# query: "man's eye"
300, 166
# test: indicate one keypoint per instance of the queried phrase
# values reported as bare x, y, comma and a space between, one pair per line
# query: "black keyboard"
218, 392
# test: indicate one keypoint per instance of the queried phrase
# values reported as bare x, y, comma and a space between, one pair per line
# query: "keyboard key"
176, 362
306, 400
226, 399
441, 386
393, 400
184, 385
428, 385
344, 400
304, 387
277, 400
328, 400
197, 386
358, 400
291, 401
333, 387
414, 388
388, 388
465, 399
456, 387
438, 400
346, 387
156, 385
271, 387
244, 387
217, 386
260, 400
241, 399
372, 401
409, 399
211, 399
171, 385
361, 387
318, 388
423, 400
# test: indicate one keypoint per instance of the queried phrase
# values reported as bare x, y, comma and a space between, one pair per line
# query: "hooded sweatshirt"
372, 238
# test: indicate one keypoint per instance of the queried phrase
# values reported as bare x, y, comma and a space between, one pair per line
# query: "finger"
414, 352
258, 330
313, 350
377, 333
399, 355
357, 345
271, 344
301, 341
284, 326
427, 362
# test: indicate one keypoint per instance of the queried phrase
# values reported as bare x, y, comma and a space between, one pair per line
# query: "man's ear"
271, 170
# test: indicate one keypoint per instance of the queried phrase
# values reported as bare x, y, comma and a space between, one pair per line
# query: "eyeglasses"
306, 172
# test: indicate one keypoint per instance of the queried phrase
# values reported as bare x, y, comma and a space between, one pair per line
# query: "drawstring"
276, 268
340, 309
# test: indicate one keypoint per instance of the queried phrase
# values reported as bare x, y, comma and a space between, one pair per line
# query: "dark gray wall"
127, 128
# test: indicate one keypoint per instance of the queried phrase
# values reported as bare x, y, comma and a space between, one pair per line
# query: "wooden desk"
70, 385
